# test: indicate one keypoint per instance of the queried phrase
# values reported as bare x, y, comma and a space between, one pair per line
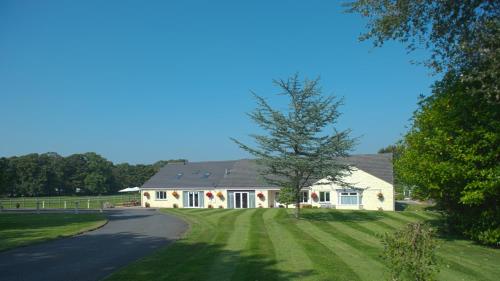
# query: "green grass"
24, 229
268, 244
59, 202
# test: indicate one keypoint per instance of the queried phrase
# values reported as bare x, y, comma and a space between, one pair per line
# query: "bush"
175, 205
306, 206
210, 206
220, 207
480, 225
410, 253
147, 205
18, 205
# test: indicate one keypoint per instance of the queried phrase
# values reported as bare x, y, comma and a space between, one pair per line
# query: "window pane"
349, 200
327, 196
322, 196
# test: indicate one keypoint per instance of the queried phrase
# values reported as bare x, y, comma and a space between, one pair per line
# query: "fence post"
43, 204
64, 204
76, 207
88, 203
101, 204
37, 206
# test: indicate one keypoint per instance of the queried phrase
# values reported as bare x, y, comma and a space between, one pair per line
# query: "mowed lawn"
268, 244
24, 229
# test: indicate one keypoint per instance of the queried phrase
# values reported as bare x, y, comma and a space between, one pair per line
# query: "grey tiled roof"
245, 173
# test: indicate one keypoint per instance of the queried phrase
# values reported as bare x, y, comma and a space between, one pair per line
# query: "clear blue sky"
140, 81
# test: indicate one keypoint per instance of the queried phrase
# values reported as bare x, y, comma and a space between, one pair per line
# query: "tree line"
50, 174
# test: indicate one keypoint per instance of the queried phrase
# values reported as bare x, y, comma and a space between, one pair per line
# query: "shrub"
220, 207
18, 205
306, 206
410, 253
210, 206
175, 205
147, 205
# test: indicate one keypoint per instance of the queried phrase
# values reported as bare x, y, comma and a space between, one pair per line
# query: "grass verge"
25, 229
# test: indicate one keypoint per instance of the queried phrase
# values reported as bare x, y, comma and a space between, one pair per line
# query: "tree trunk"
297, 208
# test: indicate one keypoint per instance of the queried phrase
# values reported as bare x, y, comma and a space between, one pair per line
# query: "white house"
238, 184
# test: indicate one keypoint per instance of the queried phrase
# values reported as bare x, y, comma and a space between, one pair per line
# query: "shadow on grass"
342, 216
206, 261
413, 206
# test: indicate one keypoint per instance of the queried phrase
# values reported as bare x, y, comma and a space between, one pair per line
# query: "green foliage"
411, 253
452, 156
50, 174
451, 153
458, 33
301, 145
287, 196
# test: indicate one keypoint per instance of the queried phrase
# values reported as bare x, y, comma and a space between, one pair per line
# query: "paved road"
128, 236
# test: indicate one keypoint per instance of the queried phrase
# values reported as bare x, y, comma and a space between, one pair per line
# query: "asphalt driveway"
128, 236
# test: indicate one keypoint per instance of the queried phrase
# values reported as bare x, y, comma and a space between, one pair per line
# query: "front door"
241, 200
193, 200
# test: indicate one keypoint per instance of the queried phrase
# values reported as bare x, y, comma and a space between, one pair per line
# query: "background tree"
452, 154
50, 174
401, 188
301, 145
459, 34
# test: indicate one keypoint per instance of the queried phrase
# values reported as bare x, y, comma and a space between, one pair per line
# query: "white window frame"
191, 203
350, 193
329, 197
160, 197
306, 193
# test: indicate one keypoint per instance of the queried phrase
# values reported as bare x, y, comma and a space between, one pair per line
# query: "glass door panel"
196, 200
244, 199
237, 200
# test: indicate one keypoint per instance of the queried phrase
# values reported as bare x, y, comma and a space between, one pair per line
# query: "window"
348, 198
304, 196
324, 196
161, 195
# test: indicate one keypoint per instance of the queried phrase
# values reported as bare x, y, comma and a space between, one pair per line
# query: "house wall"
368, 184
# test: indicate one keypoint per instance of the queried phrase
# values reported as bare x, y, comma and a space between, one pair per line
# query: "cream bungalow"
237, 184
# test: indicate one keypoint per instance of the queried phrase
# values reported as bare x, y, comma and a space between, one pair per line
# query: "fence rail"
68, 202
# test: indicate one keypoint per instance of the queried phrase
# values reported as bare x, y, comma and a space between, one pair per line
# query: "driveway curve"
129, 235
